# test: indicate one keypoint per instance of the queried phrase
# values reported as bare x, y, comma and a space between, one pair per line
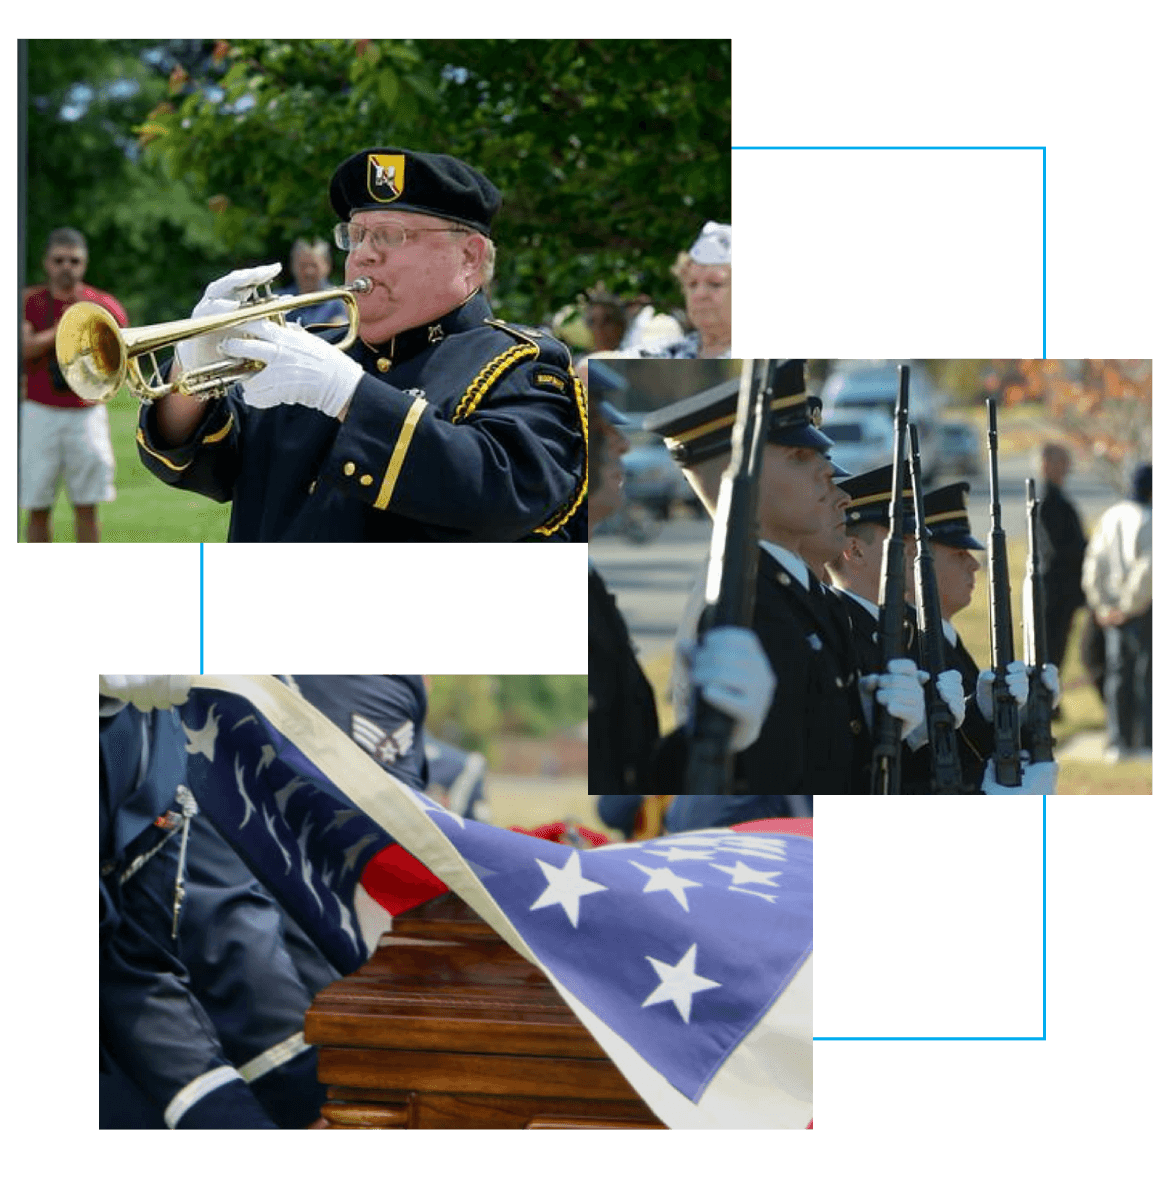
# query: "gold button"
349, 468
383, 365
856, 726
366, 480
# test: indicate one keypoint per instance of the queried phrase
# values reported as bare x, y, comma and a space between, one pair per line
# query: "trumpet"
97, 356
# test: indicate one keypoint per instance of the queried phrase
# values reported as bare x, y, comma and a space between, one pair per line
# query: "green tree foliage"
610, 154
152, 241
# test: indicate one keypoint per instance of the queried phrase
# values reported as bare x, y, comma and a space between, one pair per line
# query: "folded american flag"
687, 957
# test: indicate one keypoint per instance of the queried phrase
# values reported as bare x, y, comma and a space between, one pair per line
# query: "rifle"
1008, 771
886, 735
943, 743
733, 571
1037, 714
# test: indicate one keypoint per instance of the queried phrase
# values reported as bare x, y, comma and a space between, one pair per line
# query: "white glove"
147, 691
299, 367
1050, 676
950, 688
1016, 683
223, 295
732, 673
899, 692
1039, 778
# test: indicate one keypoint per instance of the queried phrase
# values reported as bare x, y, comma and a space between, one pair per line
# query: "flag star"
565, 886
667, 880
675, 853
678, 983
742, 874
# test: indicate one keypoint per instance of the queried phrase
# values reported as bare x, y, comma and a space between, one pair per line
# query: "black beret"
391, 179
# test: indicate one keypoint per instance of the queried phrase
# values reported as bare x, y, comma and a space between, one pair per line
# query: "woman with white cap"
704, 275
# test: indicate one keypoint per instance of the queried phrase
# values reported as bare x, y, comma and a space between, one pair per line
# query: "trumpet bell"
90, 351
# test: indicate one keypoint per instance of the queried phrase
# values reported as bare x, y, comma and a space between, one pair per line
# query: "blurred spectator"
607, 320
704, 275
647, 328
1062, 545
309, 263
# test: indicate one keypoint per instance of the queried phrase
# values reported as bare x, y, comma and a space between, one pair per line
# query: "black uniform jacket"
814, 740
976, 740
623, 728
466, 429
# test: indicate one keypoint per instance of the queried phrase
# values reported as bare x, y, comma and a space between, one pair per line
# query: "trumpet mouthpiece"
360, 285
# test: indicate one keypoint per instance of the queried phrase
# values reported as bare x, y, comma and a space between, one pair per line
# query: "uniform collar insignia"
472, 312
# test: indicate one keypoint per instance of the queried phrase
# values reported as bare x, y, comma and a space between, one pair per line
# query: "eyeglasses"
382, 237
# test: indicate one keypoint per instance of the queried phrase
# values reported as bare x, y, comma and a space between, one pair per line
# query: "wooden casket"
447, 1026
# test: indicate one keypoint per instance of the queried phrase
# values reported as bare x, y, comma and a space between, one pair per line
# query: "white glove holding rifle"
733, 675
899, 691
950, 688
1038, 778
1016, 683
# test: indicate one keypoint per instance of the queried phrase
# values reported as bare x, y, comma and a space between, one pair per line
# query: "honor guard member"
859, 584
955, 566
623, 728
948, 523
816, 737
856, 572
854, 576
440, 423
201, 1010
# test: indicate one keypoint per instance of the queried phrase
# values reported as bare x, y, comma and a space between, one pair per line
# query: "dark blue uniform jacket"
466, 429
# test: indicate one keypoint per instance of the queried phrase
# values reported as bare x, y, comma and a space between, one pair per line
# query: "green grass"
146, 510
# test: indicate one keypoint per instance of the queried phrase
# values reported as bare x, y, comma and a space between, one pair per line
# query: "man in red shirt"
61, 436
